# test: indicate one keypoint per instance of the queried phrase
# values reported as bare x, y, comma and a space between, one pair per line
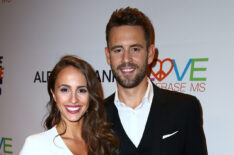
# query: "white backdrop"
35, 34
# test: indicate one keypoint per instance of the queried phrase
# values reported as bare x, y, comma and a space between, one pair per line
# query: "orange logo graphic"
161, 73
1, 72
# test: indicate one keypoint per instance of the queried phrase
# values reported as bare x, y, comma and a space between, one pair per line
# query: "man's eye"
117, 50
82, 90
64, 90
135, 49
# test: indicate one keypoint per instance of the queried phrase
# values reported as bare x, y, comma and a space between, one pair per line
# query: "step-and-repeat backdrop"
195, 40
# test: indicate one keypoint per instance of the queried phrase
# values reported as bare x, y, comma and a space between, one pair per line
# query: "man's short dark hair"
132, 17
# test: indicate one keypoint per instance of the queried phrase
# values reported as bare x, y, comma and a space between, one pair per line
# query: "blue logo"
5, 145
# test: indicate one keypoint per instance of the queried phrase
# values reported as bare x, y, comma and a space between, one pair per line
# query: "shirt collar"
146, 99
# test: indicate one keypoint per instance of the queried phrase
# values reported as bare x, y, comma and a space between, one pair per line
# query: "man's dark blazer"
174, 126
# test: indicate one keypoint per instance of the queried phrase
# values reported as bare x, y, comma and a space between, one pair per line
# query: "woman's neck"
71, 129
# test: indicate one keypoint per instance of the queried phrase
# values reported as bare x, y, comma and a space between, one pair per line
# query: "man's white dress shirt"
134, 120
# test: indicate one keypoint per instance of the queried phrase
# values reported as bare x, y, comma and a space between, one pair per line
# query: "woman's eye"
82, 90
64, 90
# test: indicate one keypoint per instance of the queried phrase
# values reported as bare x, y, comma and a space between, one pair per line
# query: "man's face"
128, 56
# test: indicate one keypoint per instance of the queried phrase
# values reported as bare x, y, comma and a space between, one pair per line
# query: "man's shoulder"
110, 107
173, 99
172, 95
177, 103
109, 99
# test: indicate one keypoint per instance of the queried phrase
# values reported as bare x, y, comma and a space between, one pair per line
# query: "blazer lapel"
152, 133
113, 117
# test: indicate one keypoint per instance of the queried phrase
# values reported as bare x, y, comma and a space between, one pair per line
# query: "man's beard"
126, 82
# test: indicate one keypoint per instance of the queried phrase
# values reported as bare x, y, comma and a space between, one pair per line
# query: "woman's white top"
45, 143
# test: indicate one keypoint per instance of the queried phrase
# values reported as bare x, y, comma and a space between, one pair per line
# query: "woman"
77, 121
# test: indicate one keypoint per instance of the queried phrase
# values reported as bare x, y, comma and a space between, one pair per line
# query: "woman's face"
71, 94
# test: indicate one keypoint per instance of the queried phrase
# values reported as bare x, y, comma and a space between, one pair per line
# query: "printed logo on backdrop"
6, 1
6, 146
103, 76
167, 74
1, 74
41, 76
186, 78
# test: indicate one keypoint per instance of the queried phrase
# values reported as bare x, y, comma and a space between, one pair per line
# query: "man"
147, 119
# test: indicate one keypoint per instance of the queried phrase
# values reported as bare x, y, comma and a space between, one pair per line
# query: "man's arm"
195, 143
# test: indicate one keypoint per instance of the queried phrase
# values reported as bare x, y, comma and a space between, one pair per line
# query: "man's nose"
127, 56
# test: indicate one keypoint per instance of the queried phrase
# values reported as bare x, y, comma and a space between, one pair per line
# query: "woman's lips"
73, 109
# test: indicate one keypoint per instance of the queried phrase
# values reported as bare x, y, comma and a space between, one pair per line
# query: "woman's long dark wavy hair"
96, 132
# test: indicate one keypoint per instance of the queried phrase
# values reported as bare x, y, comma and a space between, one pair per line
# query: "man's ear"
53, 94
152, 51
107, 52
